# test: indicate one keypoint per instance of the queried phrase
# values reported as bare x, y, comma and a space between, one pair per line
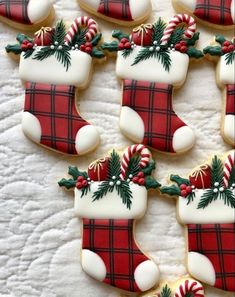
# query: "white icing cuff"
39, 10
139, 8
110, 206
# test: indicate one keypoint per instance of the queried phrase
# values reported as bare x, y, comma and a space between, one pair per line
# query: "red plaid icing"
214, 11
153, 103
54, 107
230, 101
217, 243
117, 9
113, 241
15, 10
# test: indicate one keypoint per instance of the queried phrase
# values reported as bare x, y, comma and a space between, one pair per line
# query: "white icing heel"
131, 124
31, 127
87, 139
140, 9
229, 128
183, 139
146, 275
93, 265
38, 11
201, 268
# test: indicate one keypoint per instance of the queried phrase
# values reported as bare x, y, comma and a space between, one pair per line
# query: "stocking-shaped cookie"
206, 204
185, 287
109, 198
152, 62
52, 66
222, 51
124, 12
215, 13
26, 14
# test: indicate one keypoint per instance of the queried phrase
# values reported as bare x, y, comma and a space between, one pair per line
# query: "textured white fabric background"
40, 237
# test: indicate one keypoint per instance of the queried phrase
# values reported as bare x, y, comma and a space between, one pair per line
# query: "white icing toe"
233, 10
131, 124
190, 5
31, 127
201, 268
229, 128
146, 275
139, 8
93, 265
183, 139
87, 139
38, 11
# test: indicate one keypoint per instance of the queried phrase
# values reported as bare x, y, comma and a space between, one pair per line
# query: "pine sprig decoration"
102, 191
230, 57
60, 32
79, 38
166, 292
176, 36
232, 178
158, 30
134, 167
125, 193
114, 165
217, 171
127, 52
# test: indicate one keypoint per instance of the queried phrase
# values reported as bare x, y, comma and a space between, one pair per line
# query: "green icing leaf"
151, 183
21, 37
158, 30
112, 47
229, 58
166, 292
67, 183
75, 173
97, 53
119, 35
220, 39
96, 39
172, 190
15, 49
213, 51
193, 40
127, 52
149, 169
194, 53
179, 180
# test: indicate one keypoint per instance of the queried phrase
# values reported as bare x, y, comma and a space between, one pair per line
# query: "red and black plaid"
113, 241
54, 107
117, 9
15, 10
217, 243
153, 103
214, 11
230, 100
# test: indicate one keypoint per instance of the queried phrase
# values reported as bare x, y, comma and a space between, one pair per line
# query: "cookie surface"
206, 206
109, 198
48, 67
123, 12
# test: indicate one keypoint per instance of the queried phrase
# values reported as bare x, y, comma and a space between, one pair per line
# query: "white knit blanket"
40, 236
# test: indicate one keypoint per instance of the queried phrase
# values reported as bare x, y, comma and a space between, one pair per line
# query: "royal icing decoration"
108, 204
49, 66
223, 52
183, 288
210, 12
25, 12
151, 62
119, 11
207, 208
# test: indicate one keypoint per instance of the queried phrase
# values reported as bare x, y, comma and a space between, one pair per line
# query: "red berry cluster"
228, 47
139, 179
86, 48
81, 182
181, 47
26, 45
124, 44
185, 190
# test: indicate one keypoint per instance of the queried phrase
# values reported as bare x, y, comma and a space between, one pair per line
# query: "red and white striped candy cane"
190, 286
84, 21
229, 164
179, 19
129, 153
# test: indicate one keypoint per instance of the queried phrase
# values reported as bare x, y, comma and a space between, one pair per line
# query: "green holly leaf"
194, 53
96, 39
171, 190
111, 47
149, 169
21, 37
119, 34
15, 49
67, 183
213, 51
193, 40
220, 39
151, 183
97, 54
75, 173
179, 180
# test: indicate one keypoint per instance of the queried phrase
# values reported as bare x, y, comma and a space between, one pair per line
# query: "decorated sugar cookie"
52, 66
185, 287
222, 51
215, 13
26, 14
206, 205
152, 62
124, 12
109, 197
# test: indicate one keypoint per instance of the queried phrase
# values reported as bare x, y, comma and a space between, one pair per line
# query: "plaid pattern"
214, 11
113, 241
117, 9
54, 107
230, 100
15, 10
217, 243
153, 103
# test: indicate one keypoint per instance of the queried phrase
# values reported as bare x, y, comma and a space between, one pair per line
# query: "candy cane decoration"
177, 20
229, 165
190, 286
84, 21
129, 153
